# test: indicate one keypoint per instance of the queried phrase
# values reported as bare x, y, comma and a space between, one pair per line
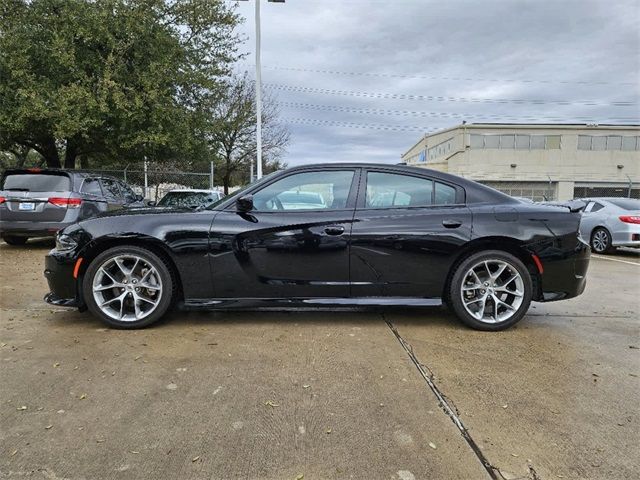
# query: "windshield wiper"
16, 190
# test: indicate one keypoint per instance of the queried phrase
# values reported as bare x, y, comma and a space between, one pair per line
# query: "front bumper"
63, 288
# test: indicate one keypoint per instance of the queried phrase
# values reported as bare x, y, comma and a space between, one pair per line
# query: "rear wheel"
13, 240
490, 290
601, 241
128, 287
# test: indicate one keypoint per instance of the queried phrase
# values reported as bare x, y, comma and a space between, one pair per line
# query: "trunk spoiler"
574, 206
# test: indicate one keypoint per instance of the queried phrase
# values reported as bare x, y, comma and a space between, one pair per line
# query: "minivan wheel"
490, 290
128, 287
601, 241
13, 240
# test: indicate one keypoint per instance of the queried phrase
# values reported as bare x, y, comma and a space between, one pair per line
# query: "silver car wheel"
600, 241
492, 291
127, 288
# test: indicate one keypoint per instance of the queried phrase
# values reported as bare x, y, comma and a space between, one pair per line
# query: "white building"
537, 161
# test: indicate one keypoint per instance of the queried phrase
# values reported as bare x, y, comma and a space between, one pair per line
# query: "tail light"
3, 199
630, 218
65, 202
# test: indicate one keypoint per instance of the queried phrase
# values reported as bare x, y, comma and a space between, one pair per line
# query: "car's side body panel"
225, 258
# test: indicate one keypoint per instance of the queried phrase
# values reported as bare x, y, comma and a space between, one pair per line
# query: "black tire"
601, 241
165, 298
15, 241
456, 298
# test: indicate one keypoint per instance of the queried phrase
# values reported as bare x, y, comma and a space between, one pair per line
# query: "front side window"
127, 192
389, 190
110, 188
323, 190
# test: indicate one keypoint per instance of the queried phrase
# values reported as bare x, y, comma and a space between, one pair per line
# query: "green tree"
107, 79
232, 132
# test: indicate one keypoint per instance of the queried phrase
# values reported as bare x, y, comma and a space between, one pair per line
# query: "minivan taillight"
65, 202
630, 218
3, 199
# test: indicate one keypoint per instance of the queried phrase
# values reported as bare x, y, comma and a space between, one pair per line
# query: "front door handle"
334, 230
451, 223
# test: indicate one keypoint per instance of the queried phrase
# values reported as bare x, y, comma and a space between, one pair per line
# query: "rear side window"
626, 203
388, 190
36, 182
91, 186
445, 194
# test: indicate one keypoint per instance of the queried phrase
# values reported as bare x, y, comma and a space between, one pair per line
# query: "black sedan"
327, 235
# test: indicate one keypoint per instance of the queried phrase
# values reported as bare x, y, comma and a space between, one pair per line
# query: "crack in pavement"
450, 411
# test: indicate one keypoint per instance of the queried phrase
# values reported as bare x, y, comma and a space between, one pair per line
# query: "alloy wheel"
492, 291
600, 241
127, 288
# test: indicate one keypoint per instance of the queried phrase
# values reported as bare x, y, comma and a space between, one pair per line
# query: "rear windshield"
186, 199
36, 182
626, 203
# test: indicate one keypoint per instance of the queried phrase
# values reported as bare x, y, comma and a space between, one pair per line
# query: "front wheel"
601, 241
490, 290
128, 287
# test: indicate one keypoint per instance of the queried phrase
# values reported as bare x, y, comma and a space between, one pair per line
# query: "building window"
507, 141
476, 141
492, 141
584, 142
630, 143
553, 142
537, 142
614, 143
599, 143
522, 142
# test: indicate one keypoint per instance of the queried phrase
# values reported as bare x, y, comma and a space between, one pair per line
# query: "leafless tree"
233, 131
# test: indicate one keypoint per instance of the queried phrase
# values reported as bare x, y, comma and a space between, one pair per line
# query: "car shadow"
32, 244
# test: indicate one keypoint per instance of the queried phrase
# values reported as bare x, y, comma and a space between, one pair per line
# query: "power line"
431, 98
432, 77
422, 114
370, 126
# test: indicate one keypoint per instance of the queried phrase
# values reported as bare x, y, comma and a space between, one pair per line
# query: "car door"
112, 193
293, 243
406, 230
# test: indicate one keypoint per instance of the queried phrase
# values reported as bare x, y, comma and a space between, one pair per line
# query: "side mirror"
139, 198
245, 203
151, 203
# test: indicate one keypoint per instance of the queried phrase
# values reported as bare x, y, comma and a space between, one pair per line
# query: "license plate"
27, 206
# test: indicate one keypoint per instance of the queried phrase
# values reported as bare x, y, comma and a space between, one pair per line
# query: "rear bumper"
31, 229
63, 291
565, 273
626, 236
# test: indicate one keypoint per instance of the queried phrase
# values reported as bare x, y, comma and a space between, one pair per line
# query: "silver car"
608, 223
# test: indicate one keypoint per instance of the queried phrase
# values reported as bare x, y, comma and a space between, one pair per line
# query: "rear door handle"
334, 230
451, 223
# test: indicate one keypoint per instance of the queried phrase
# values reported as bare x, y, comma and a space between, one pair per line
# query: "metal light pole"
259, 91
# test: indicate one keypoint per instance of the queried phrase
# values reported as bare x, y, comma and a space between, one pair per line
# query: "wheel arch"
152, 244
506, 244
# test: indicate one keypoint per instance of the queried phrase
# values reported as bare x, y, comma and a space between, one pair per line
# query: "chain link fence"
536, 191
631, 190
153, 184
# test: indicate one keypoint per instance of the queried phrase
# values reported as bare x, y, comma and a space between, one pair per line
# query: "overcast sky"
419, 65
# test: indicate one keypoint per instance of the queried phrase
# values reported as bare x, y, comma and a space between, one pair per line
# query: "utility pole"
259, 91
258, 95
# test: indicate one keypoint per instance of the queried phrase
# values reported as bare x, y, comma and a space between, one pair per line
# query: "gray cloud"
544, 50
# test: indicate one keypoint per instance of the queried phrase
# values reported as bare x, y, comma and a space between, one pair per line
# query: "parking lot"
379, 394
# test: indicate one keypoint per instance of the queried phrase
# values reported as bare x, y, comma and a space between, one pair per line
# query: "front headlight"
65, 243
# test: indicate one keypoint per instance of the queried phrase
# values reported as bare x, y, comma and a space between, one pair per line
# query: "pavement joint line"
601, 257
493, 472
